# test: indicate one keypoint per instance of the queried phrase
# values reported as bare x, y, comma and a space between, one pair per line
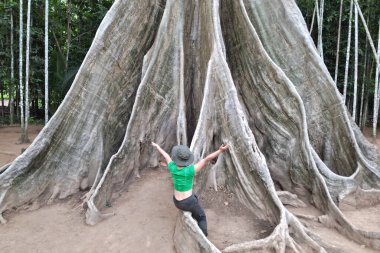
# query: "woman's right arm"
162, 152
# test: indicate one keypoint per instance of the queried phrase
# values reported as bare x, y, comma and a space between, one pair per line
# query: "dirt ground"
229, 221
142, 223
10, 146
145, 218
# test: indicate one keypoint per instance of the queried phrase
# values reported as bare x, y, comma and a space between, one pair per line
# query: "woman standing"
183, 170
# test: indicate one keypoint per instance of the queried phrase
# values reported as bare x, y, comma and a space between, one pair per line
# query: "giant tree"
201, 73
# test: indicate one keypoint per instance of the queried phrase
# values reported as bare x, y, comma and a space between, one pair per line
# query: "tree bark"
320, 27
22, 119
27, 71
338, 42
2, 99
68, 32
203, 73
46, 61
356, 65
376, 97
369, 37
362, 116
365, 113
347, 54
12, 84
313, 18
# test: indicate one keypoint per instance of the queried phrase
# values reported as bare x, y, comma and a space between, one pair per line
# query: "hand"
155, 145
164, 164
224, 147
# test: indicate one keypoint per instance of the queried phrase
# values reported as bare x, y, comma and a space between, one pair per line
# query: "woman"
180, 164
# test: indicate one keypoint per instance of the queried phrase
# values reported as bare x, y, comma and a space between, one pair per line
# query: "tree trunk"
347, 54
365, 111
376, 97
369, 37
356, 65
17, 101
2, 100
22, 137
320, 27
313, 18
68, 31
27, 71
11, 86
338, 42
203, 73
46, 61
362, 116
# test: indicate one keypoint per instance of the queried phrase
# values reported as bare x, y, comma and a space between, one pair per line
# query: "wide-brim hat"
182, 155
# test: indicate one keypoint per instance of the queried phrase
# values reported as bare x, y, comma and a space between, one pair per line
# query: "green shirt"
182, 178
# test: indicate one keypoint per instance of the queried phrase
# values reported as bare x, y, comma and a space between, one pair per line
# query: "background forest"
72, 25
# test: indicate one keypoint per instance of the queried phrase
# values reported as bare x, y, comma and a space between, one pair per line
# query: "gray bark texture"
202, 73
20, 68
12, 85
46, 61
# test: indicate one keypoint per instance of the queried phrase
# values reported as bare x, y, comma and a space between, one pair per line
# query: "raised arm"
202, 163
162, 152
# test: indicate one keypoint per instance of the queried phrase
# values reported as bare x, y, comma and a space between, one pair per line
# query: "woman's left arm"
162, 152
202, 163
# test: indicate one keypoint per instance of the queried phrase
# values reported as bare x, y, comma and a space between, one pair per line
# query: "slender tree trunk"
319, 22
46, 61
356, 65
11, 86
2, 99
320, 28
27, 71
22, 138
338, 42
361, 105
369, 37
17, 101
68, 30
57, 43
313, 18
36, 107
347, 54
376, 97
361, 117
365, 111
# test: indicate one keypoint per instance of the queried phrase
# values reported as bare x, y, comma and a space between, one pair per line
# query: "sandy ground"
142, 223
368, 133
10, 146
229, 221
145, 218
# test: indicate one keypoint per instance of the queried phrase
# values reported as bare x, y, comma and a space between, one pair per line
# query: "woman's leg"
199, 214
192, 205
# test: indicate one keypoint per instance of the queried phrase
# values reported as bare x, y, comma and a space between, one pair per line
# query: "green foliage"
371, 11
72, 27
73, 23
